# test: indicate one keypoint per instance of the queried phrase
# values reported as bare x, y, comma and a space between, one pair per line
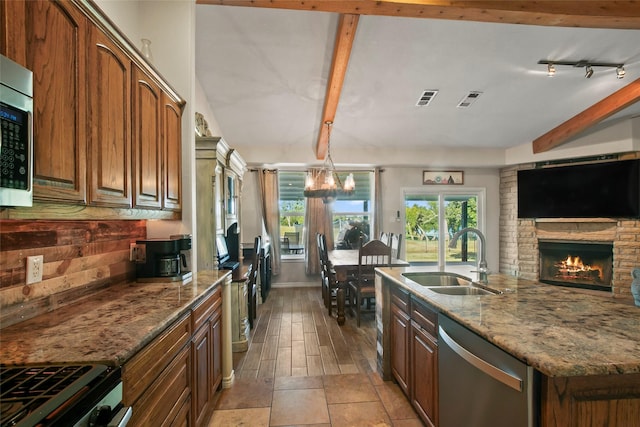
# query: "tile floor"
323, 385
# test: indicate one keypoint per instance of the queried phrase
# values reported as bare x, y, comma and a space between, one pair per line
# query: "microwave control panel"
14, 151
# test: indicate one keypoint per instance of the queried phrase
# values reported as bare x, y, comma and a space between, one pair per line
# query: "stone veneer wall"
519, 238
80, 257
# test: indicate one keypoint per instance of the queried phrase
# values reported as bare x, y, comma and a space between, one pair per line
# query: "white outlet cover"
35, 264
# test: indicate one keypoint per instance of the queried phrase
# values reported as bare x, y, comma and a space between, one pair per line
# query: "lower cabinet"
172, 380
424, 363
400, 327
414, 353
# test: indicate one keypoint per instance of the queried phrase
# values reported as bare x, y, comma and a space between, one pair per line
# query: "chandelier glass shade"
324, 183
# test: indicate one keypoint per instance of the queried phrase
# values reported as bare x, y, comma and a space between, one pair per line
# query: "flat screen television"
597, 190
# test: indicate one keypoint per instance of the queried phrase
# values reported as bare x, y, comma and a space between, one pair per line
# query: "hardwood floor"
294, 336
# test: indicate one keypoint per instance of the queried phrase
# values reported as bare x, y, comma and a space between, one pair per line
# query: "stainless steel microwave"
16, 134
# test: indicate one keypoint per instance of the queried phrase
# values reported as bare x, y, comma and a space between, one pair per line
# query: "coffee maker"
163, 259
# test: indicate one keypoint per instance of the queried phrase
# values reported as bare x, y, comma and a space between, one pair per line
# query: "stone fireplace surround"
519, 255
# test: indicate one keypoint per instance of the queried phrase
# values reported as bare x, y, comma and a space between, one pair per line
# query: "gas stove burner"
30, 393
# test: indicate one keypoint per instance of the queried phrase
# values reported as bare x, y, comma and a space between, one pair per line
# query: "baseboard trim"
295, 285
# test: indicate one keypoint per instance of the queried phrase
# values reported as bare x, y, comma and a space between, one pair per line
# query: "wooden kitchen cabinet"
205, 343
107, 126
51, 41
109, 116
172, 381
400, 322
414, 353
147, 137
157, 380
172, 139
424, 362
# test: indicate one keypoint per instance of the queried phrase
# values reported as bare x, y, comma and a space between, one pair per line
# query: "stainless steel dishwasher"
480, 385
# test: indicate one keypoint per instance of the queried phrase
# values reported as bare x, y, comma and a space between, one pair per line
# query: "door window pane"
431, 219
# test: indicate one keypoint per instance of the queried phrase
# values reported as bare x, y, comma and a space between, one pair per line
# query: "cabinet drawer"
424, 316
164, 399
139, 372
400, 298
205, 308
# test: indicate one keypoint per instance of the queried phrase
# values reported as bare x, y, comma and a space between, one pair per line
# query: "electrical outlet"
132, 251
34, 269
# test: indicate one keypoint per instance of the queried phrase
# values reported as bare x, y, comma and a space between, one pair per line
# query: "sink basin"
436, 278
461, 290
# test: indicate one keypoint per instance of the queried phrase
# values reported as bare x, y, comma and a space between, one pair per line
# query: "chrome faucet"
483, 271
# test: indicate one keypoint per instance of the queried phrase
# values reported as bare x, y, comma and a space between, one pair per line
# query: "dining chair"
284, 245
386, 237
252, 281
328, 276
372, 254
396, 245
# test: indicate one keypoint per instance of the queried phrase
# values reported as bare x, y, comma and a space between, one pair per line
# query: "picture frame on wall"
442, 177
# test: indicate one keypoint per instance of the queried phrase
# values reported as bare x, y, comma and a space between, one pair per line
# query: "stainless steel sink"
462, 290
435, 278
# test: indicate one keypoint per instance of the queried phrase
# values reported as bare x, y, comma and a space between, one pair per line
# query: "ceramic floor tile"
361, 414
247, 393
296, 407
349, 388
297, 383
252, 417
395, 402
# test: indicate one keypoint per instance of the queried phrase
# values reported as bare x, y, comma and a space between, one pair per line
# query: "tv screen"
610, 189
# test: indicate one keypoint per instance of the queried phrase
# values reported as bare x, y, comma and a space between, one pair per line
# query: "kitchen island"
172, 341
585, 347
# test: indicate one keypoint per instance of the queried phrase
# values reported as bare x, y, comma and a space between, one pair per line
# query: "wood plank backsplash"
79, 258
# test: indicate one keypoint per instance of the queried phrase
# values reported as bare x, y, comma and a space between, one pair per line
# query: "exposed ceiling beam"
623, 14
599, 111
345, 34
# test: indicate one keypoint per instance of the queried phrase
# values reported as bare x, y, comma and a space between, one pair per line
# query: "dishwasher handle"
486, 367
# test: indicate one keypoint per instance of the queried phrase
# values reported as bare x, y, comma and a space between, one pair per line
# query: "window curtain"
377, 203
317, 219
269, 205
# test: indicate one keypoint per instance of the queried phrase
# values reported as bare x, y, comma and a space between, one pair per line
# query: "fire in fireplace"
577, 264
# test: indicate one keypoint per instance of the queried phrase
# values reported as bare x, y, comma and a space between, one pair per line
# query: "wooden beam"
341, 52
598, 112
623, 14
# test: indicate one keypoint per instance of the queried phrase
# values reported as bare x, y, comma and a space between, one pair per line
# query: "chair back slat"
372, 254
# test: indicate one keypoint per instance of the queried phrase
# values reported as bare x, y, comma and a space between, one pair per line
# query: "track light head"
588, 71
551, 70
620, 72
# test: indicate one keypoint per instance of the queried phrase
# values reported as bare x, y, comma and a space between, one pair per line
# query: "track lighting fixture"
588, 71
588, 67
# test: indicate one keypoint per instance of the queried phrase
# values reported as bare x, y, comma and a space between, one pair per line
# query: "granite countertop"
107, 328
559, 331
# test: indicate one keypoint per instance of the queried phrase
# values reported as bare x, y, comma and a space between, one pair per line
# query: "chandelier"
326, 184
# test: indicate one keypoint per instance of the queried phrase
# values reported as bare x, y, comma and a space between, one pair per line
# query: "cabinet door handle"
486, 367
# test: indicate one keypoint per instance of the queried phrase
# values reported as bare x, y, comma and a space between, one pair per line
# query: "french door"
432, 217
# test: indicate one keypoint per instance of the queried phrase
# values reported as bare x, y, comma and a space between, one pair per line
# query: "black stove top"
29, 394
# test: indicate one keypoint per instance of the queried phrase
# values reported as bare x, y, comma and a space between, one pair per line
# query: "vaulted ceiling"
275, 71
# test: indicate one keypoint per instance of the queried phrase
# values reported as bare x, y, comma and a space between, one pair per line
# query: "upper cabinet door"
173, 157
55, 51
147, 141
109, 117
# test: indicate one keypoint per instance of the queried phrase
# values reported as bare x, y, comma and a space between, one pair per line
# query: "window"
431, 219
352, 214
291, 187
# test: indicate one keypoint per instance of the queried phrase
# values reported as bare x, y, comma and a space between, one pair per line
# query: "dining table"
345, 264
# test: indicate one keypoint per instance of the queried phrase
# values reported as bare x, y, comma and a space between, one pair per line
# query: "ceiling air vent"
426, 97
469, 99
